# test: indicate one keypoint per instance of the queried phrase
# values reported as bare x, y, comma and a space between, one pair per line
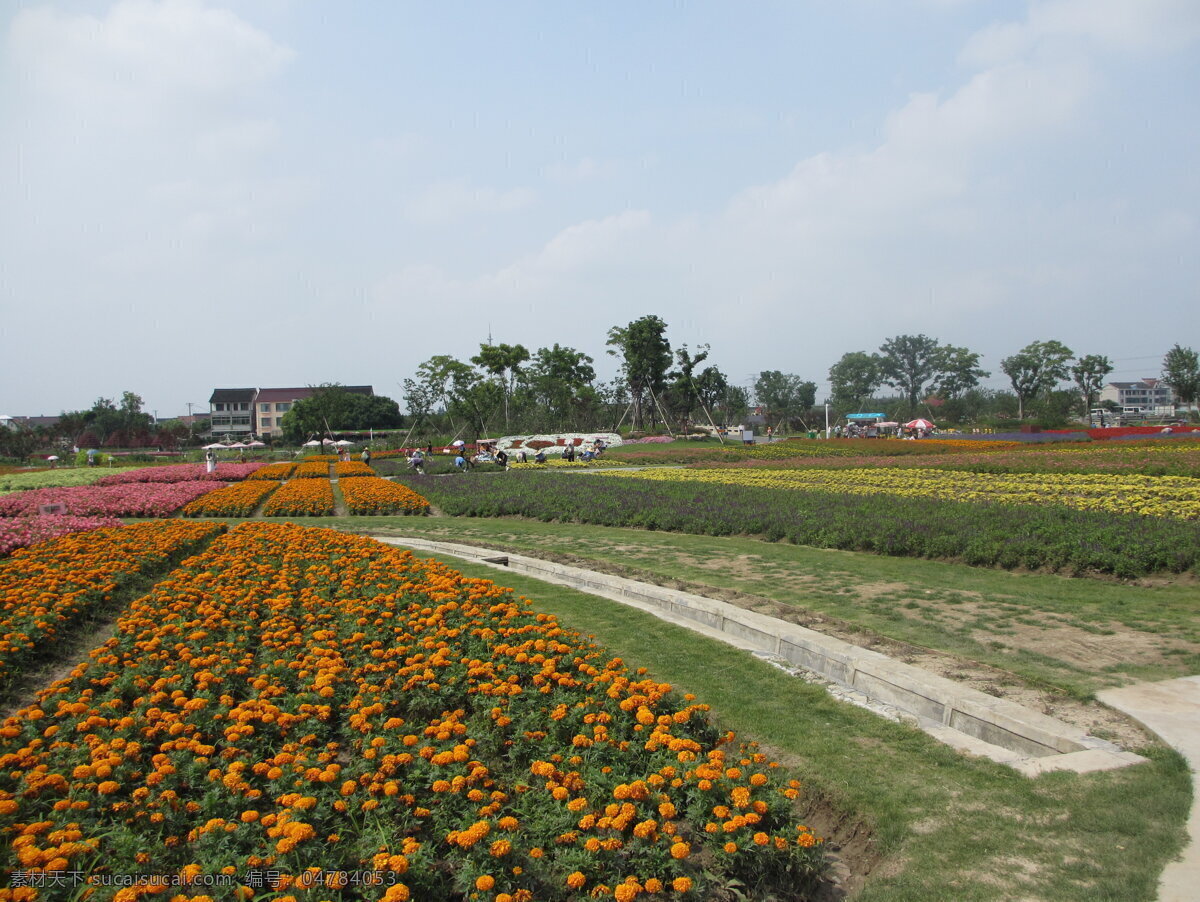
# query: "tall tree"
784, 396
958, 371
503, 363
333, 409
681, 391
1181, 371
1036, 369
1089, 372
645, 358
560, 386
854, 379
911, 363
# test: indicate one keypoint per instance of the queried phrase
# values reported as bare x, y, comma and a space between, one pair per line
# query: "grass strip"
948, 826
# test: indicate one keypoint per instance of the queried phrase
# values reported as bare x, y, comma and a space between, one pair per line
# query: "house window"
283, 406
218, 407
264, 408
265, 422
241, 421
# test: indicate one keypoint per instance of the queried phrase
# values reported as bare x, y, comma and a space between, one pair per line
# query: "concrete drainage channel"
959, 716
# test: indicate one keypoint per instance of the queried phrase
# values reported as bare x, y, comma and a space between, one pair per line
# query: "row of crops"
295, 711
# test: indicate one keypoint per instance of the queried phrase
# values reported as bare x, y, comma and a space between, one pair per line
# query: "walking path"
1171, 709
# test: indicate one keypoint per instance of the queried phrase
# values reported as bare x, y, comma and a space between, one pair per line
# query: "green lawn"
945, 826
1074, 635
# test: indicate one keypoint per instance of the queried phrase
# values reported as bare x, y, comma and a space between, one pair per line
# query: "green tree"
333, 409
681, 391
1036, 369
853, 380
1088, 373
911, 363
645, 358
560, 388
1181, 371
784, 396
711, 386
503, 363
958, 371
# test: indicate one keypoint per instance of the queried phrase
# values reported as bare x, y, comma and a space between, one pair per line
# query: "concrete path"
1171, 709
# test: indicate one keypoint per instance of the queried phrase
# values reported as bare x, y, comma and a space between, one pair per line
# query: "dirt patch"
1092, 717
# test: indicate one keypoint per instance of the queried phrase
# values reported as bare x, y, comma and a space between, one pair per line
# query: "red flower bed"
137, 500
225, 472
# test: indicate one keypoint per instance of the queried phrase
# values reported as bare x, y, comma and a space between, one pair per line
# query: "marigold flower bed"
237, 500
225, 472
21, 532
372, 495
312, 469
155, 499
302, 498
344, 469
296, 699
45, 588
277, 472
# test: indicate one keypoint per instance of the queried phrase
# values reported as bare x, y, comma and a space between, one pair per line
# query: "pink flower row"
153, 499
21, 532
225, 472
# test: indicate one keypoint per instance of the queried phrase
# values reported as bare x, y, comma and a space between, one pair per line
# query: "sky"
198, 194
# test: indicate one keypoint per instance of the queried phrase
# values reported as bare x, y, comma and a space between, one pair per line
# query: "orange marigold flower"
485, 882
681, 884
576, 880
680, 850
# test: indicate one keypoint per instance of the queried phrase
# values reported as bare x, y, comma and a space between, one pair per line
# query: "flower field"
302, 498
225, 472
372, 495
48, 479
48, 586
21, 532
297, 704
344, 469
153, 499
977, 533
276, 472
312, 469
237, 500
1156, 496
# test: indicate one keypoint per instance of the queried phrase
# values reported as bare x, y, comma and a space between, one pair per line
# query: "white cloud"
455, 200
1124, 26
142, 56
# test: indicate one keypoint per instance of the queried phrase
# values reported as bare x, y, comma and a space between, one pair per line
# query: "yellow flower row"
302, 498
237, 500
295, 695
1157, 496
345, 468
277, 472
45, 587
372, 495
312, 469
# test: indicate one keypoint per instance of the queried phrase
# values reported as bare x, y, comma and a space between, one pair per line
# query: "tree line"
509, 389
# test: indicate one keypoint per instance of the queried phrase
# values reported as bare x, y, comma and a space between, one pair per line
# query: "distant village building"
1145, 395
242, 412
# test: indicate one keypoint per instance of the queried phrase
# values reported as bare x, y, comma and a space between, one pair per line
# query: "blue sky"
268, 192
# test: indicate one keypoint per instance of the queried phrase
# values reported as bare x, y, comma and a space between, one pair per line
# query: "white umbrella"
343, 443
313, 444
213, 445
257, 444
328, 441
52, 457
238, 445
457, 443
